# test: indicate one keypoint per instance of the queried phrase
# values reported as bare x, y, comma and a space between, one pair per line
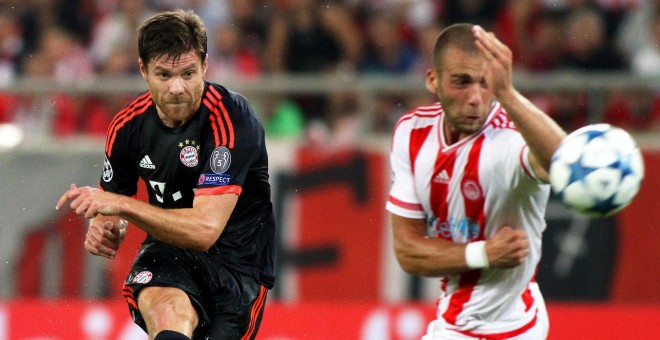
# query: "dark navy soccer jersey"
220, 150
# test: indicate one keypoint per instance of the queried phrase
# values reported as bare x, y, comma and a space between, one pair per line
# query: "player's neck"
451, 134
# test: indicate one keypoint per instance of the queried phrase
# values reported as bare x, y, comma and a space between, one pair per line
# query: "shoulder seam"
502, 121
428, 111
223, 128
135, 108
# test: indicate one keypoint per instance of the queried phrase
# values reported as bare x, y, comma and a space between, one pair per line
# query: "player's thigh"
238, 309
167, 308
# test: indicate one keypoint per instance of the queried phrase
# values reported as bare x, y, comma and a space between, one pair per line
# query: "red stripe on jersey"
127, 293
429, 108
230, 126
466, 284
473, 193
473, 198
212, 103
443, 284
137, 107
443, 169
257, 308
502, 121
417, 138
528, 299
423, 111
502, 336
117, 118
227, 189
405, 205
216, 123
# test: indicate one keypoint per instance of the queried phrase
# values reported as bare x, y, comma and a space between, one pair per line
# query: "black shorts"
229, 304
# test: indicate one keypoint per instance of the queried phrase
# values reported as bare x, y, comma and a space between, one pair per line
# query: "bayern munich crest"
189, 156
143, 277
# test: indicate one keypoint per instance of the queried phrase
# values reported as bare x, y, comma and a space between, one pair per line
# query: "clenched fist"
508, 248
104, 237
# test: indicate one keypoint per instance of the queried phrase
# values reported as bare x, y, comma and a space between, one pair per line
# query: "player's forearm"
105, 218
420, 255
431, 257
185, 228
541, 133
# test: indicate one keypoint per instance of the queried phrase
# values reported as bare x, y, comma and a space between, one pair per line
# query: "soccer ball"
597, 170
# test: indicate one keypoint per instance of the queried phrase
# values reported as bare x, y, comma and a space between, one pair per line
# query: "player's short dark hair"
456, 35
172, 33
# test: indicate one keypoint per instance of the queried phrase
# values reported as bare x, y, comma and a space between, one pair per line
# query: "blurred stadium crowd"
70, 40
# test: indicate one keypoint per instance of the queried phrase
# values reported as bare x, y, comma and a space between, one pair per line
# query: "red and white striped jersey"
466, 192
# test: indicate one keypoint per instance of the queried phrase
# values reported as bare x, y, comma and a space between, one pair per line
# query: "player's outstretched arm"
540, 132
195, 228
420, 255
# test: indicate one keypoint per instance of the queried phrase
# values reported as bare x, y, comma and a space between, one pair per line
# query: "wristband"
475, 255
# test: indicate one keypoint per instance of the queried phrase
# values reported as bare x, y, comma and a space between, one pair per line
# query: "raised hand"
499, 58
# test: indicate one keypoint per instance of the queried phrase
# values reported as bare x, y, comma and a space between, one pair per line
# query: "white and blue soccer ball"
597, 170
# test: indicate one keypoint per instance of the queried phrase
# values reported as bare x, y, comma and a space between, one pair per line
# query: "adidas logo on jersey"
146, 163
442, 177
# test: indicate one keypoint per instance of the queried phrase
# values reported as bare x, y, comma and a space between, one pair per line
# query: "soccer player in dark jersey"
207, 263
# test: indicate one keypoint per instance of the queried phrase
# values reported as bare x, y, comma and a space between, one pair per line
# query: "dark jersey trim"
135, 108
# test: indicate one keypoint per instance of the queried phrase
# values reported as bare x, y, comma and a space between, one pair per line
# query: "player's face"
463, 92
176, 86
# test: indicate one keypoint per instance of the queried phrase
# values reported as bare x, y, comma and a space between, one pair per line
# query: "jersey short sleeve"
119, 176
229, 161
516, 160
403, 199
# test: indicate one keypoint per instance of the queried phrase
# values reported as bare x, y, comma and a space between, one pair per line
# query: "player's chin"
470, 127
174, 108
179, 111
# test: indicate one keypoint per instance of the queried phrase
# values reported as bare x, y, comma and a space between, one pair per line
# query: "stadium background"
328, 106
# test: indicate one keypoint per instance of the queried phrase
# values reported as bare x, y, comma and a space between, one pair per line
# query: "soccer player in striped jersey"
469, 191
207, 262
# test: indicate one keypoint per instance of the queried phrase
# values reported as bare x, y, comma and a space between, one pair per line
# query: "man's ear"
205, 64
431, 81
143, 69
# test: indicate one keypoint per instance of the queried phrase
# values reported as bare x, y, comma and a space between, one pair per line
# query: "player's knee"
173, 311
167, 308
